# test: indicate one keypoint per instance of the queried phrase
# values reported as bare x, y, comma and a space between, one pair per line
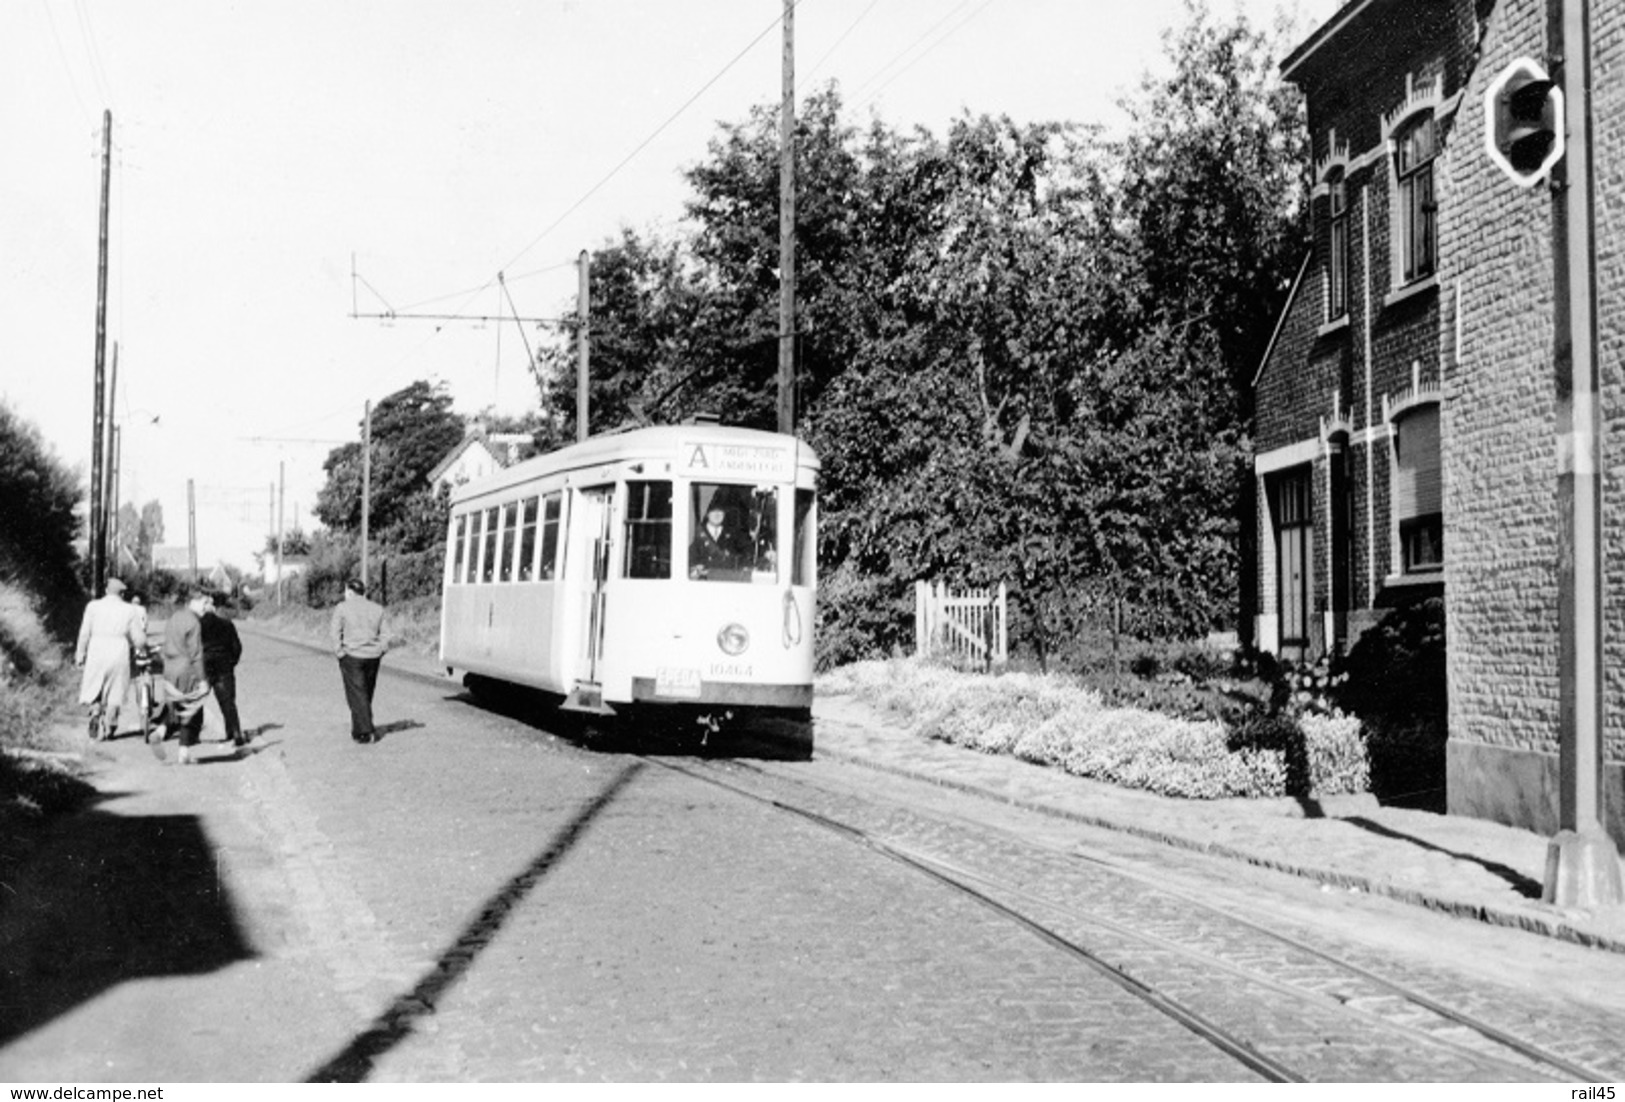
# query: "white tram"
600, 572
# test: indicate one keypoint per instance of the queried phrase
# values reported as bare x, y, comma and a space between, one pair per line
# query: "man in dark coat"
221, 651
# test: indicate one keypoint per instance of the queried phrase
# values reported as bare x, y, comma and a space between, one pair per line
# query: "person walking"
358, 640
108, 635
184, 685
222, 649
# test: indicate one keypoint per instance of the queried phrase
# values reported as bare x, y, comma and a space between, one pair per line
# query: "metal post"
1582, 861
787, 228
583, 266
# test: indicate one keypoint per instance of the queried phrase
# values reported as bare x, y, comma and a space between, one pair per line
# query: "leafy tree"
412, 430
38, 496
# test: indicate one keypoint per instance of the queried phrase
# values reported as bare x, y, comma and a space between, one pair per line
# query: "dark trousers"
225, 692
360, 679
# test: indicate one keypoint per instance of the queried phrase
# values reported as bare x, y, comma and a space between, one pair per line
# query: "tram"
669, 568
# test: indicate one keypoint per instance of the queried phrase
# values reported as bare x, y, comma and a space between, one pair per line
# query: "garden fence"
968, 626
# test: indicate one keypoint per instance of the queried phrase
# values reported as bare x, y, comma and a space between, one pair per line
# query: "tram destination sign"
749, 461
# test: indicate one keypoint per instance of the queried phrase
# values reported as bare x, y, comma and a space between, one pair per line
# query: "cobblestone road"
475, 899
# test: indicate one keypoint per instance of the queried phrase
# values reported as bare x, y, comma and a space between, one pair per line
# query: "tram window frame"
488, 548
751, 514
508, 546
547, 566
459, 546
649, 524
526, 567
806, 536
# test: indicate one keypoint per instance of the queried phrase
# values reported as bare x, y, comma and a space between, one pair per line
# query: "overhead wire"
67, 70
945, 36
819, 64
87, 34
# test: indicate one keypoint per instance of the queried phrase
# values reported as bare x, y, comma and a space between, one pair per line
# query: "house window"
1337, 255
1417, 238
1418, 492
1294, 548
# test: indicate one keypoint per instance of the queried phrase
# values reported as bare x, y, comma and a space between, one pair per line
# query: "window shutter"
1418, 482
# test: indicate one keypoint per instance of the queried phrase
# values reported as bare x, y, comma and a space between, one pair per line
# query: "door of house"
1294, 542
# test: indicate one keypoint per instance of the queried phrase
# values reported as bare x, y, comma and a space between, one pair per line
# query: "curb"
1452, 908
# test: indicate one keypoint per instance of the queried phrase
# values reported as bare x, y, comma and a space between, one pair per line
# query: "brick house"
1406, 439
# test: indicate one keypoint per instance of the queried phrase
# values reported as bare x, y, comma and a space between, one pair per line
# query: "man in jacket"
185, 685
221, 651
358, 640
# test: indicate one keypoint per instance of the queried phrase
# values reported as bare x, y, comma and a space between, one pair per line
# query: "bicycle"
146, 691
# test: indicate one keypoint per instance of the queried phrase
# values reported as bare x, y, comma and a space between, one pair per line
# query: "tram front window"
735, 532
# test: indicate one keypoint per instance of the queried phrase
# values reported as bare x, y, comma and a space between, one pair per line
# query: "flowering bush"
1056, 721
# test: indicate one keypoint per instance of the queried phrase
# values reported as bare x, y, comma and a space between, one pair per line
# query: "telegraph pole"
584, 267
191, 529
108, 490
366, 484
1582, 861
282, 481
787, 228
98, 544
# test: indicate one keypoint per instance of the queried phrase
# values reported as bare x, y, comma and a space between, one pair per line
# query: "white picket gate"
965, 626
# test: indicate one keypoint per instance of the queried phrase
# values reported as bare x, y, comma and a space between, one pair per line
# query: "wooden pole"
97, 543
281, 497
366, 485
584, 267
787, 228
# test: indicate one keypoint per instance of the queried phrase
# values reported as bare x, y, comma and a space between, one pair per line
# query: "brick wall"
1500, 456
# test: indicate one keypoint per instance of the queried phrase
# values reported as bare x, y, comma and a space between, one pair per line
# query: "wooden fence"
968, 627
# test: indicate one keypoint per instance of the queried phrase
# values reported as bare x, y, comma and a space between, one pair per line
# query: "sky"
282, 171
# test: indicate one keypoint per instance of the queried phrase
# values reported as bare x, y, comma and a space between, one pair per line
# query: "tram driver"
719, 550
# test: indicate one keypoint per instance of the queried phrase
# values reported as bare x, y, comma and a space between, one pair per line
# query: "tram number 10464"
668, 567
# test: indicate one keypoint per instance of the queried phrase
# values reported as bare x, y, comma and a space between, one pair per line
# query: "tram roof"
655, 442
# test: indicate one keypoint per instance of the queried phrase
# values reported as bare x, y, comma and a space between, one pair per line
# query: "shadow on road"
104, 899
656, 730
357, 1060
1523, 885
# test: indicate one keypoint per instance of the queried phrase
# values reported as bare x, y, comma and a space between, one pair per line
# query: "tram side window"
806, 539
527, 541
510, 538
648, 530
548, 566
488, 562
735, 532
459, 549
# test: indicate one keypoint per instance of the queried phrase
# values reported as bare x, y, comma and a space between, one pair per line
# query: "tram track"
1325, 983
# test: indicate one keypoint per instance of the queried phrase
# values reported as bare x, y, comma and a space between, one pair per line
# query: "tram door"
592, 526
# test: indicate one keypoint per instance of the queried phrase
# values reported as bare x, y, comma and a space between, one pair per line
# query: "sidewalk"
1467, 868
1462, 867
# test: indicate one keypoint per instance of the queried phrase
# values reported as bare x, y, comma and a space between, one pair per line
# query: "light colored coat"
107, 634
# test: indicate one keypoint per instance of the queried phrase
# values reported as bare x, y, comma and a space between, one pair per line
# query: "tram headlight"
734, 640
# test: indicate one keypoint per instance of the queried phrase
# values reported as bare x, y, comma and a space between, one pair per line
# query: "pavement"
1465, 868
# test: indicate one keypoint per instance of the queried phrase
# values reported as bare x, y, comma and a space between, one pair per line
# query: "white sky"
259, 144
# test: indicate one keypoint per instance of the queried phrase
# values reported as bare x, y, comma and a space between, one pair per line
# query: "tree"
412, 430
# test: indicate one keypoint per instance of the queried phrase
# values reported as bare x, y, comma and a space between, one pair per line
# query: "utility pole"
110, 468
366, 484
787, 228
584, 267
98, 562
112, 495
191, 529
1582, 861
282, 482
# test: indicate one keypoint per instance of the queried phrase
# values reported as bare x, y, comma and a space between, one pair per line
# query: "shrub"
1058, 721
